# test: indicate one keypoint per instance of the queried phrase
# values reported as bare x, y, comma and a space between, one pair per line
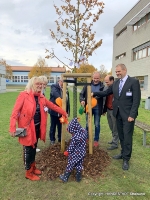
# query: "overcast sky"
25, 24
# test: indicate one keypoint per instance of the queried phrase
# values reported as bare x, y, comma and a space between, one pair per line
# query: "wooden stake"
89, 117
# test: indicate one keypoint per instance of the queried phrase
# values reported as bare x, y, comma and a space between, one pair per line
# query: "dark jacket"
128, 105
83, 96
56, 92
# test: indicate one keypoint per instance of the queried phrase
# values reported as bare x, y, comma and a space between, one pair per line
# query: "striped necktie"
120, 86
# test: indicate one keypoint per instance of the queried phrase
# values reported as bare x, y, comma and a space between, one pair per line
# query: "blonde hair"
43, 79
30, 83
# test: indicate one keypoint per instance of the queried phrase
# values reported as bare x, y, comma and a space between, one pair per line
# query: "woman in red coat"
30, 112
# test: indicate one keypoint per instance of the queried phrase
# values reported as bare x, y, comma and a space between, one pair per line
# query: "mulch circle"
52, 162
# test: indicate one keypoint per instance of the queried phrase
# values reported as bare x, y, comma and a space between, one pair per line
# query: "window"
141, 81
144, 53
139, 24
135, 56
20, 78
25, 79
142, 21
51, 80
141, 51
120, 56
140, 54
135, 27
148, 51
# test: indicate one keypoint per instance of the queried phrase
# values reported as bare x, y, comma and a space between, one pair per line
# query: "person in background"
57, 92
76, 150
108, 108
44, 84
127, 96
29, 112
96, 86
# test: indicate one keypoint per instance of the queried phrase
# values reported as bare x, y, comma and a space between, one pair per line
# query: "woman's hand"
12, 134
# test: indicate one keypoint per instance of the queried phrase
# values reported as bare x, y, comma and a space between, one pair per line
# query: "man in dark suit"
127, 96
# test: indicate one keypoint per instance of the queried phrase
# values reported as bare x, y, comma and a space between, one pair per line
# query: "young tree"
78, 18
40, 68
8, 69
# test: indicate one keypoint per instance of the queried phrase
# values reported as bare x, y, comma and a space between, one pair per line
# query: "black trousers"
125, 132
29, 152
55, 122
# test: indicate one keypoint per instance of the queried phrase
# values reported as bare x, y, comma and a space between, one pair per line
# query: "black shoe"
110, 142
112, 148
59, 140
125, 165
118, 156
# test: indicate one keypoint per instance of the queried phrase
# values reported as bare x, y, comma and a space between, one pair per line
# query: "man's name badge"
129, 93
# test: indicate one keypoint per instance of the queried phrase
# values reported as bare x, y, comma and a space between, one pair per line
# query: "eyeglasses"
38, 83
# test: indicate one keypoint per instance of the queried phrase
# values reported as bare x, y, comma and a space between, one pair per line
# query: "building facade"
2, 79
20, 75
131, 44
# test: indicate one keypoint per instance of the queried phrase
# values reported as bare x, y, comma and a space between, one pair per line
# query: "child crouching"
76, 150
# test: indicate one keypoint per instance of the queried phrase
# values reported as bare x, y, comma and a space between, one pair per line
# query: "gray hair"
96, 72
44, 79
123, 67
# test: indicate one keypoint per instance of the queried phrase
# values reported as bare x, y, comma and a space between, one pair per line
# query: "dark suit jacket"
128, 105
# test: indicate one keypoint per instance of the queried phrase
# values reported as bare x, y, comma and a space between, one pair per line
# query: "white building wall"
127, 41
2, 79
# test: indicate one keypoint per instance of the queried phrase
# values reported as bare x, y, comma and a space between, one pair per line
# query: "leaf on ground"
52, 162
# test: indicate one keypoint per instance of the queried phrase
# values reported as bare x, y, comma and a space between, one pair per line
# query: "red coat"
23, 113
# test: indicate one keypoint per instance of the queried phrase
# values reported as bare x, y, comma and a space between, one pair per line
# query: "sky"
24, 32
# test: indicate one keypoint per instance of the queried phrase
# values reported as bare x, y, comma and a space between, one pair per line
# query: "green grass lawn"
114, 184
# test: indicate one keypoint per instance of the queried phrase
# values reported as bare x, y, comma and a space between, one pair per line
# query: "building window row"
52, 79
20, 79
25, 79
142, 53
120, 56
142, 21
121, 32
